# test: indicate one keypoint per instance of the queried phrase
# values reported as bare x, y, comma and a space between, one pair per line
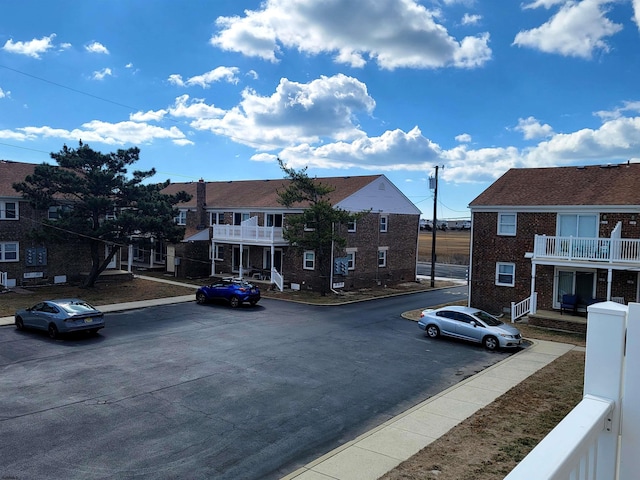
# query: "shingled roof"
571, 186
264, 193
13, 172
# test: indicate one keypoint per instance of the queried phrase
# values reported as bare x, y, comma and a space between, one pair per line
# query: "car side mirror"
473, 323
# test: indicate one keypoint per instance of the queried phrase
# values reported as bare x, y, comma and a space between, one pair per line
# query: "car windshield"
488, 319
76, 307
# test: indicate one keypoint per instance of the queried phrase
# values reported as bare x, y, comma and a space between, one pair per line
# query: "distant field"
452, 246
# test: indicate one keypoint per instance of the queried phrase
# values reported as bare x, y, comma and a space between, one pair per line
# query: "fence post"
604, 366
630, 428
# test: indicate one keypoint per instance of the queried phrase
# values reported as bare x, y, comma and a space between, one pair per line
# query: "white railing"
623, 250
277, 279
520, 309
248, 234
591, 443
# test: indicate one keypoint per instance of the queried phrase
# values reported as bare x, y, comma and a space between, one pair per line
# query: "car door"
469, 328
447, 322
36, 316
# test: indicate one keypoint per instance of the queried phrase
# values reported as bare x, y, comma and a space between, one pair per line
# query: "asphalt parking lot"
192, 391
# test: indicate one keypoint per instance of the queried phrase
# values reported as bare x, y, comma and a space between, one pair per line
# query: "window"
216, 218
578, 226
55, 211
351, 226
181, 219
218, 252
8, 251
382, 257
351, 255
309, 260
384, 223
506, 274
274, 220
8, 211
238, 218
507, 224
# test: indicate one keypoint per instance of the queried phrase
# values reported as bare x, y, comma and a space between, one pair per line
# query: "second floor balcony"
250, 233
601, 250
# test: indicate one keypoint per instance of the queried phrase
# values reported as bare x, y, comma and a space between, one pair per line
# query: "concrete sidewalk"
380, 450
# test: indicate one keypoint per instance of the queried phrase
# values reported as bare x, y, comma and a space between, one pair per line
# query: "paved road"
191, 391
444, 270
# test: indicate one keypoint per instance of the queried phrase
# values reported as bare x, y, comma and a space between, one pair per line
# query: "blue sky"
219, 89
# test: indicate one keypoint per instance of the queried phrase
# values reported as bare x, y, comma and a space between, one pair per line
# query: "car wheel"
432, 331
490, 343
234, 302
201, 298
19, 323
53, 331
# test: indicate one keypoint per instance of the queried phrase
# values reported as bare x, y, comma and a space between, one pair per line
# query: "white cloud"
195, 109
254, 75
228, 74
96, 47
393, 33
101, 74
149, 116
295, 113
463, 138
129, 65
108, 133
4, 94
577, 30
633, 107
469, 19
33, 48
636, 12
532, 128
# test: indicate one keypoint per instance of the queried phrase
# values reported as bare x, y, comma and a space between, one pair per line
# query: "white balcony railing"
611, 250
248, 234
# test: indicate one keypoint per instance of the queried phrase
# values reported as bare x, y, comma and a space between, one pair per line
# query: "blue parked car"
64, 315
235, 292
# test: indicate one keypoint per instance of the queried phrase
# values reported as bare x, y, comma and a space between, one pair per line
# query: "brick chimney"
201, 204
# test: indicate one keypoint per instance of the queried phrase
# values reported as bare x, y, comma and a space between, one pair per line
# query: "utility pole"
434, 228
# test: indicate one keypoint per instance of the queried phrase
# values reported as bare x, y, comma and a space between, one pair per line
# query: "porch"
249, 233
554, 320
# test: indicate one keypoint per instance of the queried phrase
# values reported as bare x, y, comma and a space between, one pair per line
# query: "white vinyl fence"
592, 442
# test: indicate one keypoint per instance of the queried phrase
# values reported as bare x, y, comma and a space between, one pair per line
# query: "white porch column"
273, 258
609, 280
240, 272
213, 257
130, 258
630, 430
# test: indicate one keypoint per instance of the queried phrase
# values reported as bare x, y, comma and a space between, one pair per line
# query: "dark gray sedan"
64, 315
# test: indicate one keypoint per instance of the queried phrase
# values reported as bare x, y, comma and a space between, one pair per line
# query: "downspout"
331, 264
470, 263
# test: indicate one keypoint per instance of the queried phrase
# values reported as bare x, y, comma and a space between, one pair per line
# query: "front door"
235, 258
277, 259
574, 282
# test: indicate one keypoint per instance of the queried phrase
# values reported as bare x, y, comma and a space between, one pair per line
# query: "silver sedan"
470, 324
63, 315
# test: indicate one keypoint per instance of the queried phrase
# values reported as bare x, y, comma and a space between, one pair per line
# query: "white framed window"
507, 224
216, 218
239, 217
382, 256
309, 262
351, 255
582, 225
9, 251
351, 226
181, 219
218, 253
8, 210
273, 220
384, 223
505, 274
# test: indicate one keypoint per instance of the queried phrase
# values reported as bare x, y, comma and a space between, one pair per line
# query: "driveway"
192, 391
